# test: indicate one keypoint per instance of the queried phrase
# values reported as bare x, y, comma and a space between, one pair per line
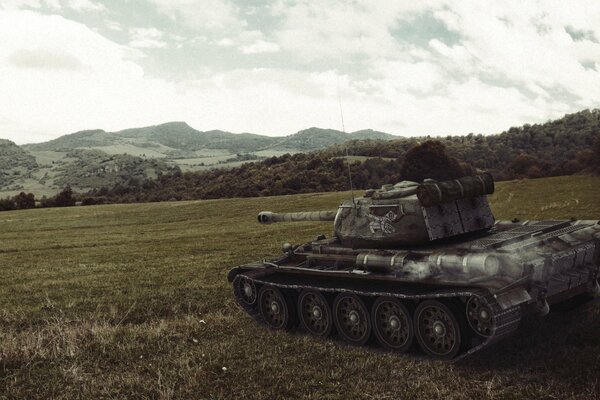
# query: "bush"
430, 160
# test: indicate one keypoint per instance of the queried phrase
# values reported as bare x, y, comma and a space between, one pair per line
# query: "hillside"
91, 138
317, 138
93, 168
174, 139
15, 163
131, 301
565, 146
46, 172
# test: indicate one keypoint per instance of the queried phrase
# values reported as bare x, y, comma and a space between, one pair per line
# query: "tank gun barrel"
267, 217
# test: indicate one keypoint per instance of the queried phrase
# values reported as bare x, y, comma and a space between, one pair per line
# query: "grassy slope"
131, 301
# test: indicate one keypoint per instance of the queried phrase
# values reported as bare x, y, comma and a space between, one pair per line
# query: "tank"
420, 268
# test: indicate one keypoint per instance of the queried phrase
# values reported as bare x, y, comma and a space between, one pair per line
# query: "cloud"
77, 5
18, 4
225, 42
335, 29
145, 38
52, 96
523, 44
41, 58
205, 15
84, 5
260, 46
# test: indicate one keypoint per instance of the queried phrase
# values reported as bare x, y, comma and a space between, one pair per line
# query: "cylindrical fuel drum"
435, 193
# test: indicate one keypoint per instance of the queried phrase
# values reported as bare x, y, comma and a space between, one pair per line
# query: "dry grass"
131, 301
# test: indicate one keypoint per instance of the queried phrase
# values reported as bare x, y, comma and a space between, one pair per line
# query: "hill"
93, 168
180, 136
82, 139
178, 139
131, 301
15, 163
565, 146
317, 138
172, 144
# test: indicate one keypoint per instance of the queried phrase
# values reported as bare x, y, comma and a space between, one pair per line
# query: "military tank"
420, 266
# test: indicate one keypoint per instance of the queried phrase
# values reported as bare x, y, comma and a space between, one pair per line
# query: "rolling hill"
563, 146
95, 158
179, 139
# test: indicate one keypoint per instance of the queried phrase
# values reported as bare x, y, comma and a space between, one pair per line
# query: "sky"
410, 68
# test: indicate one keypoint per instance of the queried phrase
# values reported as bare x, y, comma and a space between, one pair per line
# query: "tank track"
505, 321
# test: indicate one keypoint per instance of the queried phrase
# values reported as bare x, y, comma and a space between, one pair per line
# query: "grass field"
132, 302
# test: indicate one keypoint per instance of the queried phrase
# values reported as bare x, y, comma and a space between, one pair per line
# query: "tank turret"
406, 213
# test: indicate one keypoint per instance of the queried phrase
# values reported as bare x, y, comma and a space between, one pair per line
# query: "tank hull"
450, 297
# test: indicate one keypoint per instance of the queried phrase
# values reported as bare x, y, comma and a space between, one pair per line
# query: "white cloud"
41, 58
113, 25
17, 4
225, 42
527, 44
260, 46
77, 5
336, 28
106, 91
145, 38
85, 5
209, 15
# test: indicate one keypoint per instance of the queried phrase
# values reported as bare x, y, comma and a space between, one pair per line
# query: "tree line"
24, 201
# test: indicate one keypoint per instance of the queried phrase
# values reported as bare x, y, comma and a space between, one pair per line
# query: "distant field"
132, 302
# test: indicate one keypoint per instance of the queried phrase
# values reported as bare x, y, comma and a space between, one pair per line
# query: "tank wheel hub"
317, 312
394, 322
275, 307
248, 290
354, 317
439, 329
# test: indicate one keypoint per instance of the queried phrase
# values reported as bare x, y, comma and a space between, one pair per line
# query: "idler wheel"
480, 316
246, 290
352, 318
437, 329
392, 324
274, 308
315, 313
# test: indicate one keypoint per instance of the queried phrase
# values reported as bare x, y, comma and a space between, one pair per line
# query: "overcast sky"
275, 67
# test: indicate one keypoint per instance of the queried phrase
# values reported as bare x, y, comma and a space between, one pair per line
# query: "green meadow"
132, 302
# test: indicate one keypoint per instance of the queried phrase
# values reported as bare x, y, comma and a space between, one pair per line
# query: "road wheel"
352, 318
315, 313
438, 330
245, 290
392, 324
274, 308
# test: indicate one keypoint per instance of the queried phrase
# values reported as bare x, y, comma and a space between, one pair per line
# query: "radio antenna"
347, 155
